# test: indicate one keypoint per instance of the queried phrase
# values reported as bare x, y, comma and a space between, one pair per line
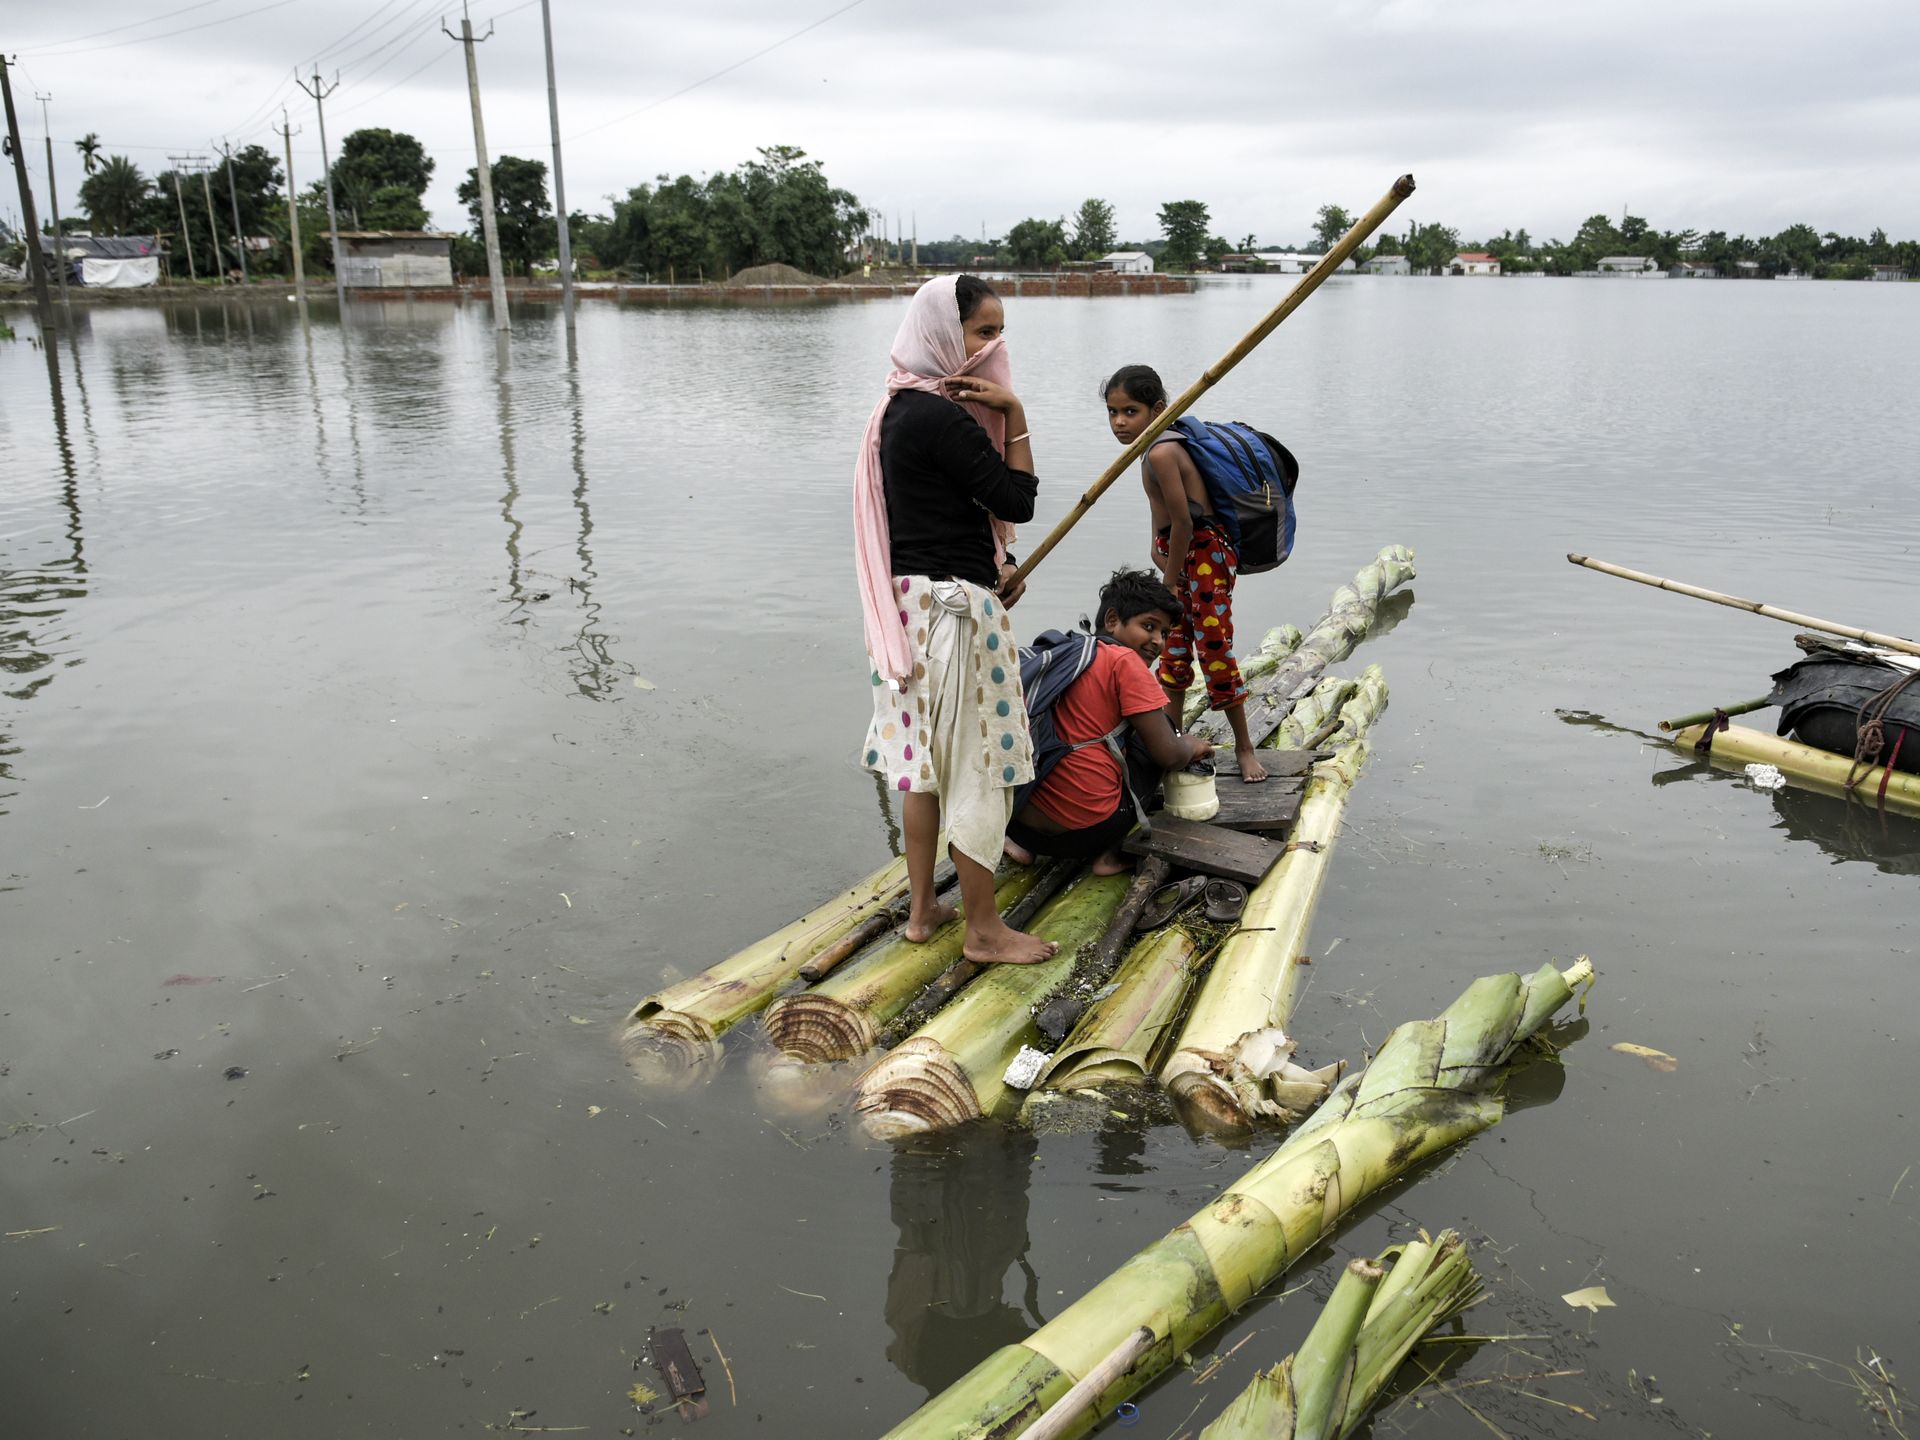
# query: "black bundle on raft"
1839, 695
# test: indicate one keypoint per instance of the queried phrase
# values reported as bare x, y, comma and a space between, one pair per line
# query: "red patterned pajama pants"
1204, 637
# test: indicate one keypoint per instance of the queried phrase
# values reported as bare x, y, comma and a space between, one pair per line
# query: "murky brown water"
381, 717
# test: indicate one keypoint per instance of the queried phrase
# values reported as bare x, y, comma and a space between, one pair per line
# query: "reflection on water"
960, 1207
1844, 827
35, 597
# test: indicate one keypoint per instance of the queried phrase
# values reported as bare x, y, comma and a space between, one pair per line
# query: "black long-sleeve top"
943, 478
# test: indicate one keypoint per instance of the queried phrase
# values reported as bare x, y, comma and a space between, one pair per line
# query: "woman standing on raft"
944, 473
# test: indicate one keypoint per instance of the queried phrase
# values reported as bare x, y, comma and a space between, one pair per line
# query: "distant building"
1474, 262
1242, 263
1628, 265
1889, 272
1127, 262
1388, 265
396, 259
109, 262
1747, 269
1295, 262
1694, 270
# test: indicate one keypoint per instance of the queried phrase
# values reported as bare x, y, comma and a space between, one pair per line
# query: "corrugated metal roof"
104, 247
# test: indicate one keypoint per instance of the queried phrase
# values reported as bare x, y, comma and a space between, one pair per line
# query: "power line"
130, 25
362, 104
165, 34
377, 10
728, 70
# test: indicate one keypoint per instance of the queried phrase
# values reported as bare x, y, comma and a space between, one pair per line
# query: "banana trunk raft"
953, 1028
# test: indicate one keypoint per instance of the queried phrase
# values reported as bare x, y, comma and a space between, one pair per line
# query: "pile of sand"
775, 274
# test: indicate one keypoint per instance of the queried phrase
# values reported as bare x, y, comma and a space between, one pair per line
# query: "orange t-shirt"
1084, 788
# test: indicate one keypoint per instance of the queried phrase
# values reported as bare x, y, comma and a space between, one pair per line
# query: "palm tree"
114, 194
89, 147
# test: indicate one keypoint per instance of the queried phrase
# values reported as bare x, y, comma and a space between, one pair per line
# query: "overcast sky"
1740, 116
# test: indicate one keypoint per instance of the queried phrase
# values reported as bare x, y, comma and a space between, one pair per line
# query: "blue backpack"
1250, 479
1048, 669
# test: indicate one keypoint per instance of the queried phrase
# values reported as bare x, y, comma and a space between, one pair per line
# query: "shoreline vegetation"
778, 211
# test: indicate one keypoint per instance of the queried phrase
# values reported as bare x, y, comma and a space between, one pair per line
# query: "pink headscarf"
929, 349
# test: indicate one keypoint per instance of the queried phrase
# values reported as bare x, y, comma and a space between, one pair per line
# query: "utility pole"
233, 194
177, 161
213, 226
36, 262
559, 178
483, 174
53, 198
319, 95
287, 132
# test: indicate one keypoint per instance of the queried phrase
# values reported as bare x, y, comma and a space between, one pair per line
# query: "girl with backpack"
943, 474
1221, 501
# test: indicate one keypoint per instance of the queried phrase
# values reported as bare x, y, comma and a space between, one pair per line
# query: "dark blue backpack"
1048, 669
1250, 479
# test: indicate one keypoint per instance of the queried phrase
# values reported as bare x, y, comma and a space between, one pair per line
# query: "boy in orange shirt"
1081, 807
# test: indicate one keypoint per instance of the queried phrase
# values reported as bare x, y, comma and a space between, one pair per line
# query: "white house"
1127, 262
1294, 262
1889, 272
1628, 265
1474, 262
1388, 265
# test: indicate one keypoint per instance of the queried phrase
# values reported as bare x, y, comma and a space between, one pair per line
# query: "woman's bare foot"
1003, 945
921, 925
1019, 854
1114, 862
1251, 770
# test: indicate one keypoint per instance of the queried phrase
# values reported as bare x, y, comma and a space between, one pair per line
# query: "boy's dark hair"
1141, 382
970, 290
1134, 592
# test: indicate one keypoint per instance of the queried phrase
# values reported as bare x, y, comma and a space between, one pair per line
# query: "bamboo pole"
842, 1016
1214, 373
1816, 769
1427, 1089
1772, 612
676, 1030
1700, 717
952, 1069
1073, 1405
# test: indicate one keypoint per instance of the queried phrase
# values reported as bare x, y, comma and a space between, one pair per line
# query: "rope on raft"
1872, 737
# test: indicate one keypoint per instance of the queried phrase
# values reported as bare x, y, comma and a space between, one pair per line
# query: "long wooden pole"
1213, 374
1772, 612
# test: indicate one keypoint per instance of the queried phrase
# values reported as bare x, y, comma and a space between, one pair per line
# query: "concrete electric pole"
233, 194
36, 262
53, 199
286, 133
483, 175
559, 177
319, 94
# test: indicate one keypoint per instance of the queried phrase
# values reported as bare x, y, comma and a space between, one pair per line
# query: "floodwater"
382, 713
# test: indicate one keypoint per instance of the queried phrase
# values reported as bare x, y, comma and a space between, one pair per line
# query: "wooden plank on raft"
1207, 848
1275, 762
1269, 806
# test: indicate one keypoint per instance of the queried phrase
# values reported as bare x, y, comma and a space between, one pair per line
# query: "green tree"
394, 207
1329, 225
1431, 247
89, 147
1093, 230
115, 195
1031, 240
257, 185
375, 159
521, 211
1794, 248
1184, 223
